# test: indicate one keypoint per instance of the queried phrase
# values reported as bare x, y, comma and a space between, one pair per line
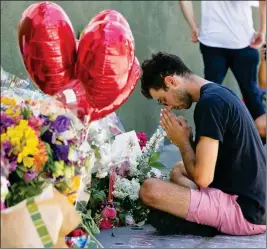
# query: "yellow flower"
74, 187
23, 123
24, 142
59, 169
4, 137
13, 112
69, 172
28, 162
8, 101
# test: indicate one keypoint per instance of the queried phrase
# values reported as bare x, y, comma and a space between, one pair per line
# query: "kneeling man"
222, 180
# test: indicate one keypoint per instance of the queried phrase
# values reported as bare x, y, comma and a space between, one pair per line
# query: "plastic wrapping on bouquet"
74, 97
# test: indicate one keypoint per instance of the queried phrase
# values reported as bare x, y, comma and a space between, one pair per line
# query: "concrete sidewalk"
146, 237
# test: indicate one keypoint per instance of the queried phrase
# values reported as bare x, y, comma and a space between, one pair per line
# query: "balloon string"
111, 185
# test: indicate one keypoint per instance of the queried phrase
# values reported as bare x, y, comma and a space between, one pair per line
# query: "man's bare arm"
262, 9
259, 37
200, 165
188, 12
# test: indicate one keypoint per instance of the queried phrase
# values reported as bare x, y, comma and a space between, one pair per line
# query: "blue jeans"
243, 63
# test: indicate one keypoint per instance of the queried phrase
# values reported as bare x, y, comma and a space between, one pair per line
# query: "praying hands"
177, 128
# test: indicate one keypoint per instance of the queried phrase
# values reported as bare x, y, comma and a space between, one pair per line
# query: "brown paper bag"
39, 222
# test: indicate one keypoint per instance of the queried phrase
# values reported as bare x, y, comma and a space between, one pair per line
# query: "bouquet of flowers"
43, 143
115, 198
39, 146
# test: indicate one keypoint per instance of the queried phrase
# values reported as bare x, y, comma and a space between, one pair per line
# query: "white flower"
129, 220
124, 188
101, 137
4, 188
133, 168
73, 155
156, 172
101, 174
67, 135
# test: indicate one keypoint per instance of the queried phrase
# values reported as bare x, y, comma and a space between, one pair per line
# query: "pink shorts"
215, 208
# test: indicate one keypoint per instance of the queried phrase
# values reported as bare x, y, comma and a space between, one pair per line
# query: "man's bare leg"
179, 176
171, 197
166, 196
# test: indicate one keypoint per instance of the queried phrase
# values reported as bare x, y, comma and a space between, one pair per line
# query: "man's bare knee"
166, 196
148, 191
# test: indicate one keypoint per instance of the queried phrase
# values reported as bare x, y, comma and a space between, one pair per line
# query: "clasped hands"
177, 128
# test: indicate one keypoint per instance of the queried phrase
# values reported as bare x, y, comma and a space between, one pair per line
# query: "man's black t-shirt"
241, 163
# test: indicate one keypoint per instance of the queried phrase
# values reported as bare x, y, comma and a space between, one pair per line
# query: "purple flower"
5, 121
124, 168
9, 162
30, 175
61, 152
47, 137
6, 147
45, 119
61, 123
12, 163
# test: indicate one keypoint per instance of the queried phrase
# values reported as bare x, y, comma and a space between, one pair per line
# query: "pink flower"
109, 213
3, 205
124, 168
142, 138
105, 224
35, 124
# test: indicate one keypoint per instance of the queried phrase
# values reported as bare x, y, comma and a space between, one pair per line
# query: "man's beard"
184, 98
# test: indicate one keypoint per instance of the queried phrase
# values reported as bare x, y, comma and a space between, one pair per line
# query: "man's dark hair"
157, 68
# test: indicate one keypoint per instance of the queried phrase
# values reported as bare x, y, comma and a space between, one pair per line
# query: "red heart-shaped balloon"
110, 15
105, 60
48, 46
106, 70
132, 80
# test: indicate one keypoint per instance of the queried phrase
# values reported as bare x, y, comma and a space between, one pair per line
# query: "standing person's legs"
215, 63
244, 65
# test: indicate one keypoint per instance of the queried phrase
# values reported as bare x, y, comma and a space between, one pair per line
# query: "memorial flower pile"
115, 198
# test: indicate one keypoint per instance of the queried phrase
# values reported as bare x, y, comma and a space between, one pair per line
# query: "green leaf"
22, 169
154, 157
97, 151
44, 129
20, 173
99, 195
23, 190
157, 165
26, 113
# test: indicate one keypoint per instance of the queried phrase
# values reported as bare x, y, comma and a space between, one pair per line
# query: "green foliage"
154, 157
22, 190
49, 165
44, 129
26, 113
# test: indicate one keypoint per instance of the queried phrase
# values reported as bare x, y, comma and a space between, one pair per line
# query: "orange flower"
41, 158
